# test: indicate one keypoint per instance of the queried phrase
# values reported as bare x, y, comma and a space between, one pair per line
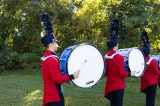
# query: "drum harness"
149, 61
110, 57
45, 58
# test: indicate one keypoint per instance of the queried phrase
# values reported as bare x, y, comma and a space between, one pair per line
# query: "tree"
77, 21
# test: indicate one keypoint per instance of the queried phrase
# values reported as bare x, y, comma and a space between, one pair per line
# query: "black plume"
114, 27
144, 38
46, 23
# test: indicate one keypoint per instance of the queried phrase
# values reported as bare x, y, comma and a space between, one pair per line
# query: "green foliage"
135, 16
13, 60
2, 44
77, 21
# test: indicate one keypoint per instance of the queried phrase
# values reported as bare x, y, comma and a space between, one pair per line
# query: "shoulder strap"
110, 57
149, 61
45, 58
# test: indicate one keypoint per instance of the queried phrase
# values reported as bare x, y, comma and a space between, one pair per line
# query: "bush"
31, 60
13, 60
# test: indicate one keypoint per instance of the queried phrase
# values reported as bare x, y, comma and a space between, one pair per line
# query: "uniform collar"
112, 51
147, 57
49, 51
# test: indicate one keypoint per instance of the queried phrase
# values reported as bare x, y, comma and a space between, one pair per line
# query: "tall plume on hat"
146, 43
113, 33
47, 25
144, 38
114, 27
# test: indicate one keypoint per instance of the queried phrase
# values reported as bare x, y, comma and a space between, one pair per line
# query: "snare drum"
134, 60
87, 59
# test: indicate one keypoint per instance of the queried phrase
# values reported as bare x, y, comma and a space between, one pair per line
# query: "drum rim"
144, 60
100, 54
74, 46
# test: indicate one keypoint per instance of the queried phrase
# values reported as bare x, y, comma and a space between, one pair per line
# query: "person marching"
51, 75
149, 78
115, 72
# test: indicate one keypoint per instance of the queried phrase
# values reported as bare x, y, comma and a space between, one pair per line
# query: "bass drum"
87, 59
134, 60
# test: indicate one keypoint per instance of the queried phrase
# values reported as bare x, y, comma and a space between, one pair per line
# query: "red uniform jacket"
115, 72
52, 77
149, 77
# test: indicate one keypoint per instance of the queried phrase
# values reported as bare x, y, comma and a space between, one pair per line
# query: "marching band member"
52, 77
115, 72
149, 78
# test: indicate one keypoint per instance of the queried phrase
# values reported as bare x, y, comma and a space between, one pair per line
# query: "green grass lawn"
25, 89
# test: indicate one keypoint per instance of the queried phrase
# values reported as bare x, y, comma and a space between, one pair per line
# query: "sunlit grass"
25, 89
32, 97
20, 89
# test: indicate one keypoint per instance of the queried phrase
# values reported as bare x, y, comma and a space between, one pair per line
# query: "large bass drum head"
136, 61
89, 61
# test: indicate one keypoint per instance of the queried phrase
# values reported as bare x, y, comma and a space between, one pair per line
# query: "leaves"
77, 21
